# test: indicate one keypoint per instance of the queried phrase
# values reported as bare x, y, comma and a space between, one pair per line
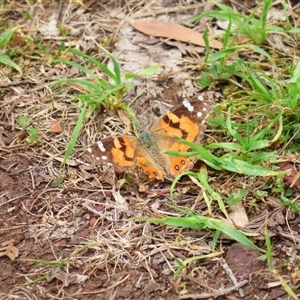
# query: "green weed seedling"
236, 196
32, 131
250, 143
219, 66
272, 91
230, 162
58, 262
269, 258
96, 91
223, 64
245, 157
195, 221
5, 38
255, 29
272, 97
293, 205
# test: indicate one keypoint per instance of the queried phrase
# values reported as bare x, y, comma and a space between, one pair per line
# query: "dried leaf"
9, 250
55, 126
238, 215
66, 278
291, 179
173, 31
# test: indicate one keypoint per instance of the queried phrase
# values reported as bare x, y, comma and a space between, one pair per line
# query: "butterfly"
144, 152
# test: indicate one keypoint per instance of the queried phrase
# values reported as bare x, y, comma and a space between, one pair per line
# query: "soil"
72, 230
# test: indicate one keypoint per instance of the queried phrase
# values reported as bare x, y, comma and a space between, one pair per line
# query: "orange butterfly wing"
124, 152
186, 121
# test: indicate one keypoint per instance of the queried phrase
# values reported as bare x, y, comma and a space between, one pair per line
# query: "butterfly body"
145, 151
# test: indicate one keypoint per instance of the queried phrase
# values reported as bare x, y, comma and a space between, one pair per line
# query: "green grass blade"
76, 65
200, 223
102, 67
89, 86
221, 54
296, 75
74, 135
239, 166
294, 30
5, 59
202, 177
117, 70
202, 154
5, 37
265, 9
146, 72
228, 163
229, 146
233, 132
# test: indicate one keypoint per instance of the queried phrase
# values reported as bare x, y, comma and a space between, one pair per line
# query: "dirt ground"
71, 230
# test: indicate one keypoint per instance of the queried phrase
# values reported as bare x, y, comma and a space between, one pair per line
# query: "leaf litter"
80, 240
8, 249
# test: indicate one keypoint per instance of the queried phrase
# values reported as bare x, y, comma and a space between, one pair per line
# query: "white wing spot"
89, 150
104, 157
101, 146
199, 114
188, 105
201, 98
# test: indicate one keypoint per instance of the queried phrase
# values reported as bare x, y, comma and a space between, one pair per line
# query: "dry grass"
75, 226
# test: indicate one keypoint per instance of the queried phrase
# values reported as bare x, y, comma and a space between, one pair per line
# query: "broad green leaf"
4, 59
146, 72
5, 37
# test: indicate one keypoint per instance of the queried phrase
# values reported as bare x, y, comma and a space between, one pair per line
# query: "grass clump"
97, 91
